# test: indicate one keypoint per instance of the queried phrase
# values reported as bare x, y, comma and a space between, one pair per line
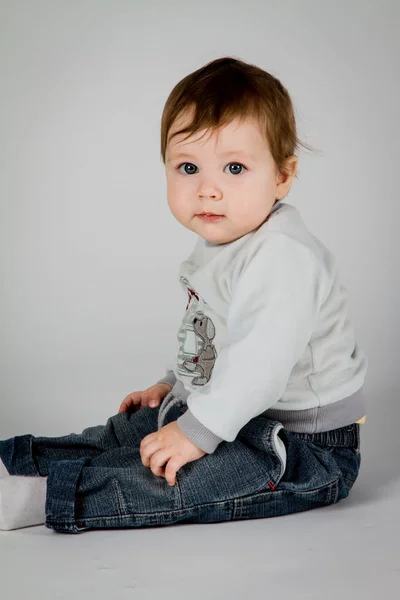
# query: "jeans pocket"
280, 451
264, 435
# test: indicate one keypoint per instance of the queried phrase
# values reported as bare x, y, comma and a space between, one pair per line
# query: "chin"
218, 238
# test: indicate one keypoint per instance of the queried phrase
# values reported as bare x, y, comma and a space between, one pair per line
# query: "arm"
169, 378
270, 321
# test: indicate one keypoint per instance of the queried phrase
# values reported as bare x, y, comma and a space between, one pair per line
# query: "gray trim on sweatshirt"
169, 378
313, 420
197, 433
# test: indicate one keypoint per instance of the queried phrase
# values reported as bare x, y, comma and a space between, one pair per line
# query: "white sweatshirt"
265, 330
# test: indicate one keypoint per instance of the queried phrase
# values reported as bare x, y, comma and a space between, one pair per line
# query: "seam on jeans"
120, 497
66, 525
79, 522
178, 491
295, 491
334, 492
123, 509
328, 499
349, 482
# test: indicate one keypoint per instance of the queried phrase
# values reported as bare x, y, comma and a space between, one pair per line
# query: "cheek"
180, 187
177, 197
171, 189
251, 184
250, 200
259, 187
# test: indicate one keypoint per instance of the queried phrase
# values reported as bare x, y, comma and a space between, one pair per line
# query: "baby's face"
231, 174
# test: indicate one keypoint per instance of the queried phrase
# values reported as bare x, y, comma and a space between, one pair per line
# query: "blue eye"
190, 168
235, 172
187, 172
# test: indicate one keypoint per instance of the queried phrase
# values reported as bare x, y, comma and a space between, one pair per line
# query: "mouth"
209, 216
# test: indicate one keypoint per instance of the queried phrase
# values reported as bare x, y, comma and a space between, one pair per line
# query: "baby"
259, 412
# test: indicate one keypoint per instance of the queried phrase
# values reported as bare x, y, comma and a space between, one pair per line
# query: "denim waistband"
343, 437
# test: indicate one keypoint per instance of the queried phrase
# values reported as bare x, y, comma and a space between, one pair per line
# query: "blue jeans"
96, 478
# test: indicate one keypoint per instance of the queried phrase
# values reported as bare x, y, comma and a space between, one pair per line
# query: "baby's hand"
170, 446
150, 397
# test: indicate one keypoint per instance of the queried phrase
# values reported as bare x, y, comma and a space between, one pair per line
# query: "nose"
207, 190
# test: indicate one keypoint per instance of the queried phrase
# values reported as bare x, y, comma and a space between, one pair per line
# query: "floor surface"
349, 550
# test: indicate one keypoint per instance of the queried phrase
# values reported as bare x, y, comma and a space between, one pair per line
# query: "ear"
284, 180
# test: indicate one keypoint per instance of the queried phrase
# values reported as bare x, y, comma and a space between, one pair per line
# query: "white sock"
22, 501
3, 470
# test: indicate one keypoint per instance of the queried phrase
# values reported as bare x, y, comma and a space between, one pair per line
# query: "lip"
210, 216
209, 213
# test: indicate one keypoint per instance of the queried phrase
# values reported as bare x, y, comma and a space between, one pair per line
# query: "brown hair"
228, 88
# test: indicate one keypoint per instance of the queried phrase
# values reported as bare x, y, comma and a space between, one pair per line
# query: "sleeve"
270, 321
169, 378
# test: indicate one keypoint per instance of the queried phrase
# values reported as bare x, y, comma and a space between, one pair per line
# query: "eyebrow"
173, 156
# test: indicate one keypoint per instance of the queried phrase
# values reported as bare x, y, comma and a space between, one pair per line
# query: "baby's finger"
172, 467
135, 402
123, 407
144, 400
146, 452
159, 471
130, 401
158, 460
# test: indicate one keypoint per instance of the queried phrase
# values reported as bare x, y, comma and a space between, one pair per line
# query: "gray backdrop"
90, 300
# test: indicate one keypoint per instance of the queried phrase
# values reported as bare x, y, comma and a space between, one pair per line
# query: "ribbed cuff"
169, 378
197, 433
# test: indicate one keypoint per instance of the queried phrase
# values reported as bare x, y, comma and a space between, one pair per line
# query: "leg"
243, 479
23, 497
321, 470
29, 455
